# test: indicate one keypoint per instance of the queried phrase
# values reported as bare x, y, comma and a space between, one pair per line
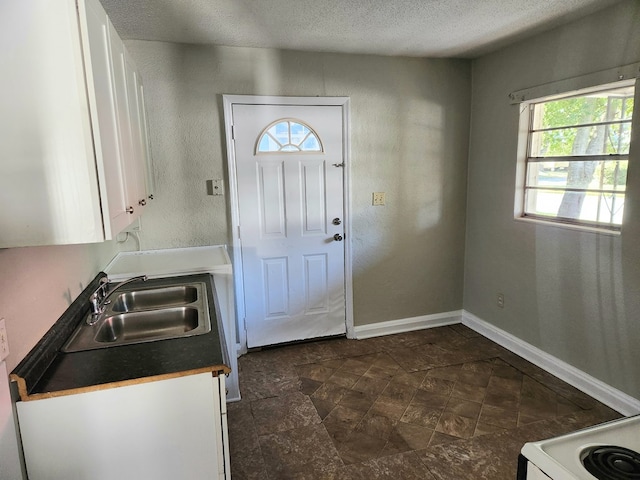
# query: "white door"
289, 170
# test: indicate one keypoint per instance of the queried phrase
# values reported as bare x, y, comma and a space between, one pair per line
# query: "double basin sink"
137, 314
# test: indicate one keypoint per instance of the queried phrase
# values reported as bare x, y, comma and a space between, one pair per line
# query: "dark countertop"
48, 372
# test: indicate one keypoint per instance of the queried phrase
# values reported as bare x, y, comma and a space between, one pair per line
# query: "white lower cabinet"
166, 429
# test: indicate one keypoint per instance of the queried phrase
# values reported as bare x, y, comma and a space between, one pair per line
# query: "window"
288, 136
577, 157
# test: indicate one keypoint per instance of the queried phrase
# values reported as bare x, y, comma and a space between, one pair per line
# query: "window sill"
569, 226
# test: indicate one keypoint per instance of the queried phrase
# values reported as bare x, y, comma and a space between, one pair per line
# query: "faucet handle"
96, 300
101, 291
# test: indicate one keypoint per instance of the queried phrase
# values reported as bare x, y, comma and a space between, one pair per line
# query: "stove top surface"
561, 457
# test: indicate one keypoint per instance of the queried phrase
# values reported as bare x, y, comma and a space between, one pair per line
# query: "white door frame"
236, 251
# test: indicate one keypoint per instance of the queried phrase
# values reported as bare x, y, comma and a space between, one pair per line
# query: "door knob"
142, 202
337, 237
336, 221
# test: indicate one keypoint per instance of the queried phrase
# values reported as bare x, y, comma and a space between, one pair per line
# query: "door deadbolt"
336, 221
337, 237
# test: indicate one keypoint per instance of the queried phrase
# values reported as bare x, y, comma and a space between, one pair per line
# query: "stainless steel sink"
168, 322
138, 315
155, 298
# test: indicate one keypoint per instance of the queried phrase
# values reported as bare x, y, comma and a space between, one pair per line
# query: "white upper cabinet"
73, 136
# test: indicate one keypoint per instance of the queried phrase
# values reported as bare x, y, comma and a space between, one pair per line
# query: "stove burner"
608, 462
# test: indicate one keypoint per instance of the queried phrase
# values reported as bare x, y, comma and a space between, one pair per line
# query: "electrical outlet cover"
378, 198
4, 341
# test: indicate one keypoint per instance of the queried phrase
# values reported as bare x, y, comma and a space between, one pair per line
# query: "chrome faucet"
100, 298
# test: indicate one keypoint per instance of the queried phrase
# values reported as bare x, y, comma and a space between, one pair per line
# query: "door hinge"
238, 231
233, 132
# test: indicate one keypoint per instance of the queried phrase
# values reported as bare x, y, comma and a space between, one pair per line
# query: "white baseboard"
613, 398
233, 397
407, 324
233, 381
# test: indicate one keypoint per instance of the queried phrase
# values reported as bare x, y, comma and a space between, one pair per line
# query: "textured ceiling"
423, 28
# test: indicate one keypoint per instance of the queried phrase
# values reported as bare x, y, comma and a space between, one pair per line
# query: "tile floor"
444, 403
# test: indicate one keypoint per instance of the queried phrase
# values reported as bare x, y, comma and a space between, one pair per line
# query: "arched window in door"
288, 135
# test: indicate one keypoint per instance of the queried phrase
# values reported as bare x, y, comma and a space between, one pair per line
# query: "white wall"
574, 295
409, 134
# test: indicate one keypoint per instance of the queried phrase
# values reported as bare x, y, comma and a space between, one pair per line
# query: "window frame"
297, 148
527, 100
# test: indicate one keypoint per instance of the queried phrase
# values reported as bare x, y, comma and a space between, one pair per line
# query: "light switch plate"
215, 187
4, 342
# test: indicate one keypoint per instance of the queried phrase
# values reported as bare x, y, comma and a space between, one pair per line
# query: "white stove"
561, 458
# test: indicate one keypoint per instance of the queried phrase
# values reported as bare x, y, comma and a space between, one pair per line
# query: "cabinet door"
102, 101
123, 115
137, 141
146, 141
225, 470
221, 428
218, 446
48, 183
161, 430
